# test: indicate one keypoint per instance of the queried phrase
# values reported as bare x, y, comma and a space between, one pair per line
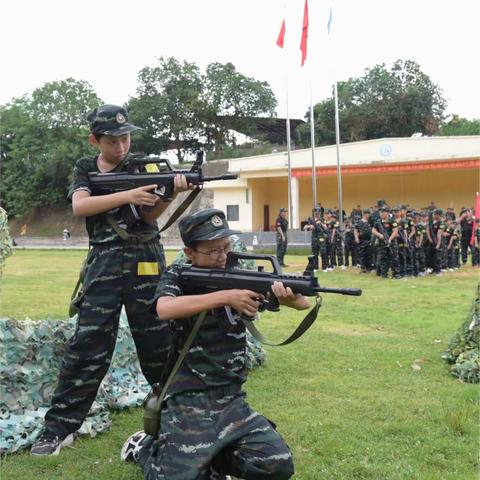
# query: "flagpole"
290, 212
312, 142
339, 170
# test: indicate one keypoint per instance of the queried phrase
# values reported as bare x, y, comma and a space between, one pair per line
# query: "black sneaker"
50, 445
132, 447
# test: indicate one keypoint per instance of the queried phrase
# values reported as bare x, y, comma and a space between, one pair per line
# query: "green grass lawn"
345, 396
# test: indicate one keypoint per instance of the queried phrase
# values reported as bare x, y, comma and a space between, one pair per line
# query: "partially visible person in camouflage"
452, 240
5, 241
281, 227
438, 240
476, 246
401, 241
318, 240
386, 231
349, 244
122, 268
418, 241
363, 238
466, 221
207, 428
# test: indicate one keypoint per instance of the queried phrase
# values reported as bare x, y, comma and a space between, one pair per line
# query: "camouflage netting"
463, 351
29, 366
5, 241
30, 360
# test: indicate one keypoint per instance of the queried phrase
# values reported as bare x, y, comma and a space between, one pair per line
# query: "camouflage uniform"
206, 424
350, 250
281, 223
421, 241
117, 272
476, 249
439, 248
466, 225
332, 242
364, 247
319, 244
387, 254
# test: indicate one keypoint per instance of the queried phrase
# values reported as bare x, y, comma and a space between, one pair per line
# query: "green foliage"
167, 106
41, 138
463, 351
231, 100
179, 106
460, 126
382, 103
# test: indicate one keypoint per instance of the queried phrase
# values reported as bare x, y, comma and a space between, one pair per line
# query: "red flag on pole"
281, 35
476, 219
303, 41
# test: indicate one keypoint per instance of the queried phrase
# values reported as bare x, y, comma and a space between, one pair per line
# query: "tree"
382, 103
179, 107
41, 138
168, 106
460, 126
232, 100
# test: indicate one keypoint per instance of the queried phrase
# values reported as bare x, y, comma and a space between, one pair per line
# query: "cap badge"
120, 118
216, 221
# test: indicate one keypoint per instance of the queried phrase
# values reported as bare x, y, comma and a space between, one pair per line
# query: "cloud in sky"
107, 43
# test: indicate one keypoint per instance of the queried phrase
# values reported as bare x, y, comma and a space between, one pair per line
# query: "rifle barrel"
227, 176
342, 291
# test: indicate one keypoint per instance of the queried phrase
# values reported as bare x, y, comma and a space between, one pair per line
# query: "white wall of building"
236, 202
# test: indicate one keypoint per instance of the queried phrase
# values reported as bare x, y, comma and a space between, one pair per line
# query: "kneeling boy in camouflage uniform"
207, 427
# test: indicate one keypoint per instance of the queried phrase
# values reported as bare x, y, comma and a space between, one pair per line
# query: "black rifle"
204, 280
138, 175
386, 237
318, 226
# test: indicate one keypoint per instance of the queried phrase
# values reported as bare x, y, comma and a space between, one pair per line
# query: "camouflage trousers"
387, 258
281, 248
204, 434
116, 274
364, 249
319, 248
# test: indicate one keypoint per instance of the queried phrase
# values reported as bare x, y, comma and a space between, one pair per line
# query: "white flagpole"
290, 212
339, 168
337, 136
312, 141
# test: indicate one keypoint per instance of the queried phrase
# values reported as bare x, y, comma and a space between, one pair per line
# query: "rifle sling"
181, 357
128, 237
304, 325
183, 206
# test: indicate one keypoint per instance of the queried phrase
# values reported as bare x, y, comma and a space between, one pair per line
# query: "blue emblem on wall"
385, 150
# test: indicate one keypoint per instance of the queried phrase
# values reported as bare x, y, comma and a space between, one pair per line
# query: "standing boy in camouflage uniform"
363, 234
318, 240
281, 227
207, 428
386, 230
117, 272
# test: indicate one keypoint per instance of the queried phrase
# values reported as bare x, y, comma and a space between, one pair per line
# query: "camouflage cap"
283, 209
366, 210
383, 209
206, 224
381, 203
396, 208
110, 120
438, 211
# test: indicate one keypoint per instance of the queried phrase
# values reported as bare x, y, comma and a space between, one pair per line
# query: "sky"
106, 43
